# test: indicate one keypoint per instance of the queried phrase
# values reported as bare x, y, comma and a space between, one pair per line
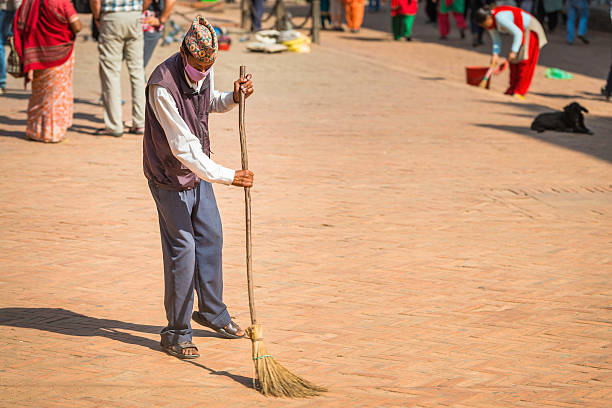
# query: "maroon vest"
160, 165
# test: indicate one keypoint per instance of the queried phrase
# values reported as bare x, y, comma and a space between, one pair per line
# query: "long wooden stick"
247, 199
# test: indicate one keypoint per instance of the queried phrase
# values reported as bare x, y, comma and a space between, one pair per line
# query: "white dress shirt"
185, 146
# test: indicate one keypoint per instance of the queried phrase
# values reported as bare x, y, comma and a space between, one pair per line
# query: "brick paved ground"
415, 244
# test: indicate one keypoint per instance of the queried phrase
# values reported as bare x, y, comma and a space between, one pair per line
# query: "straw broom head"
274, 379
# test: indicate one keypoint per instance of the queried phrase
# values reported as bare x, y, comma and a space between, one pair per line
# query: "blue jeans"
192, 241
6, 30
256, 14
374, 5
582, 9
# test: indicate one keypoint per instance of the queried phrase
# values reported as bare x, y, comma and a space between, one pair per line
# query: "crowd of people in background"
42, 33
548, 12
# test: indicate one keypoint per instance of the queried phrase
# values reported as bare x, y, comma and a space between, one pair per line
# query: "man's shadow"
74, 324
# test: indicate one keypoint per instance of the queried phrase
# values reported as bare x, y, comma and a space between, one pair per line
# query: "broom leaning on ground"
274, 379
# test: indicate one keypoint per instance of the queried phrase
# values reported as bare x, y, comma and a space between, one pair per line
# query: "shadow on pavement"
67, 322
598, 145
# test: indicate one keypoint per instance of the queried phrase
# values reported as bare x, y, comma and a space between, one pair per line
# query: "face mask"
194, 74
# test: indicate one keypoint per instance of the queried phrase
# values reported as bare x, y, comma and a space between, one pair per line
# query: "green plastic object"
556, 73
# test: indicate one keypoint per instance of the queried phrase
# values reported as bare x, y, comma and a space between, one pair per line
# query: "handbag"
14, 65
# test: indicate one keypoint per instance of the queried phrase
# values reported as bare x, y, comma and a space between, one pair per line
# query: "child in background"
403, 13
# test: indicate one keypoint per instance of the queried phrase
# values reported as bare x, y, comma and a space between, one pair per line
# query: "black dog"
570, 120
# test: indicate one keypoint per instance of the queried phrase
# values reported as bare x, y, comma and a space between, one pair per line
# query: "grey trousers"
192, 241
150, 42
121, 38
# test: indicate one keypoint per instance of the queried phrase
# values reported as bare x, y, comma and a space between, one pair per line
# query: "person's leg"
514, 75
443, 24
208, 236
608, 90
348, 5
110, 48
528, 67
408, 24
553, 19
256, 14
133, 53
336, 9
396, 26
432, 11
459, 20
358, 10
174, 210
4, 21
584, 19
571, 24
151, 38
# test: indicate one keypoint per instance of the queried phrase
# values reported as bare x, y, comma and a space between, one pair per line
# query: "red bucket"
474, 75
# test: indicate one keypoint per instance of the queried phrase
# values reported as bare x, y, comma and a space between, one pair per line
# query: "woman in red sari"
44, 39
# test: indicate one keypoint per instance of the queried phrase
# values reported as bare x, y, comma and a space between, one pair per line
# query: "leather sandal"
229, 331
136, 130
107, 132
176, 350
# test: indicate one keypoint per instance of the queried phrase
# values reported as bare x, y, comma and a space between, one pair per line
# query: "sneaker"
584, 39
462, 34
2, 91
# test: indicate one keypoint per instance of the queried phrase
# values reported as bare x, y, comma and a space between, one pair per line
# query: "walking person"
121, 37
578, 8
431, 9
7, 14
176, 160
456, 7
354, 14
44, 39
154, 16
403, 13
527, 39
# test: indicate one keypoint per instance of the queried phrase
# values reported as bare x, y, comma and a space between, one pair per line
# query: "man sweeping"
527, 39
176, 159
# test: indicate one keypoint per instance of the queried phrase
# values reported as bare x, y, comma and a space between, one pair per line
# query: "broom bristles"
274, 379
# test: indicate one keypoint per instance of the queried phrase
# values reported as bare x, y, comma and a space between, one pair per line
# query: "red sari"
45, 43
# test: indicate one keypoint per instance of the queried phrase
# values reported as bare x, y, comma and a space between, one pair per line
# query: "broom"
484, 81
274, 379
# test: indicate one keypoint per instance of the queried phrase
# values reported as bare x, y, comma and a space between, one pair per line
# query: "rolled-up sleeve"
185, 146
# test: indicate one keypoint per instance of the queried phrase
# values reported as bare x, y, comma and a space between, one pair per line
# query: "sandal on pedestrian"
107, 132
136, 130
176, 350
228, 331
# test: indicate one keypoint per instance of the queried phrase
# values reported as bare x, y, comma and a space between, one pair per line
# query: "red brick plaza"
415, 244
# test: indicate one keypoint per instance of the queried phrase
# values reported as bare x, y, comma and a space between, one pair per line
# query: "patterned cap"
201, 40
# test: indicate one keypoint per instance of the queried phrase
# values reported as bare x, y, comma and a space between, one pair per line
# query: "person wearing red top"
44, 39
403, 13
527, 38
